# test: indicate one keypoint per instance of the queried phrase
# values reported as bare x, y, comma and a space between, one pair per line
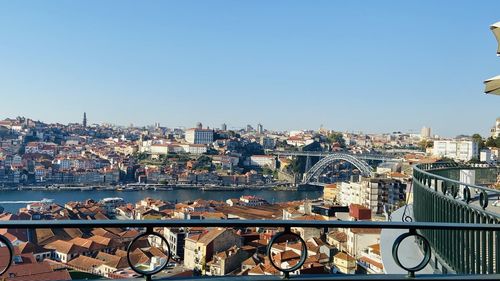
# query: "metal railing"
439, 199
415, 229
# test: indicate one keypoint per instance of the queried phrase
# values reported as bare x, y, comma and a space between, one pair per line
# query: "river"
180, 195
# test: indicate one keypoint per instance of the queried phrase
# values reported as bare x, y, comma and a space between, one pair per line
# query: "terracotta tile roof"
104, 233
288, 255
101, 240
338, 236
87, 244
4, 256
61, 246
36, 272
132, 233
251, 261
194, 237
86, 263
121, 253
375, 248
113, 261
157, 252
372, 262
211, 236
257, 270
344, 256
29, 247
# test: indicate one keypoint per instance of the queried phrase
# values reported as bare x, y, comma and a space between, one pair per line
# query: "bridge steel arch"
363, 167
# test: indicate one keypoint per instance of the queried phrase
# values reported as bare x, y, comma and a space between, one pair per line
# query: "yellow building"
330, 192
345, 263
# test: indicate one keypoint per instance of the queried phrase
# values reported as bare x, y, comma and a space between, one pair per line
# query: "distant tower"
425, 133
84, 123
199, 125
223, 127
260, 129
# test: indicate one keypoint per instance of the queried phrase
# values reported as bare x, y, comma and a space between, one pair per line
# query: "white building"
425, 133
374, 193
194, 148
249, 200
456, 149
487, 156
371, 260
263, 160
495, 131
358, 239
351, 193
199, 136
260, 129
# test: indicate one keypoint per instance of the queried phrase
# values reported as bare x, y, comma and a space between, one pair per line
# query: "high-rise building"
84, 123
223, 127
425, 133
267, 142
260, 129
373, 193
249, 128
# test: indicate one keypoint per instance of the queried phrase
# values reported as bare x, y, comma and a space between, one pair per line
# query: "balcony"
439, 198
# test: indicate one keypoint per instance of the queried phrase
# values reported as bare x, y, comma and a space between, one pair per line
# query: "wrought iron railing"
419, 230
439, 199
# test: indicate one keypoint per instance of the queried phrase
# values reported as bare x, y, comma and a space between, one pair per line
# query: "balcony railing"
440, 199
453, 224
419, 230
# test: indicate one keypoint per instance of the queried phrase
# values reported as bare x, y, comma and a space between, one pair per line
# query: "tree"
336, 138
477, 138
424, 144
266, 170
493, 142
474, 160
297, 166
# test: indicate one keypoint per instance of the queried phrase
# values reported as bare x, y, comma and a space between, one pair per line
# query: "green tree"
296, 166
336, 138
266, 170
477, 138
424, 144
493, 142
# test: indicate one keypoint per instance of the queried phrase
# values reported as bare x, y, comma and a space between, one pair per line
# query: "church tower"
84, 123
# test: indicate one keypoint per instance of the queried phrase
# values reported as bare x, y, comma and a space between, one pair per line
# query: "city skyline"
244, 127
392, 67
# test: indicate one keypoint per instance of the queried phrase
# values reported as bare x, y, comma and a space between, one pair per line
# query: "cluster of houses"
194, 250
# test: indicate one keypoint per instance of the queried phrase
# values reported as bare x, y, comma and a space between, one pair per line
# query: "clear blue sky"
372, 66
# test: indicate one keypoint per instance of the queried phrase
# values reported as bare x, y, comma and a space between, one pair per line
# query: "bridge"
363, 156
327, 158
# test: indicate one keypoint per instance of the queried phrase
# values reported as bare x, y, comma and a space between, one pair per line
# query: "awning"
492, 85
496, 31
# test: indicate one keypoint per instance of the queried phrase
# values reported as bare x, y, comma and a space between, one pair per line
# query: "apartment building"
461, 150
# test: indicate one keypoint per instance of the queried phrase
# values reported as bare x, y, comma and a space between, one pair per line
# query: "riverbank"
61, 197
137, 186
